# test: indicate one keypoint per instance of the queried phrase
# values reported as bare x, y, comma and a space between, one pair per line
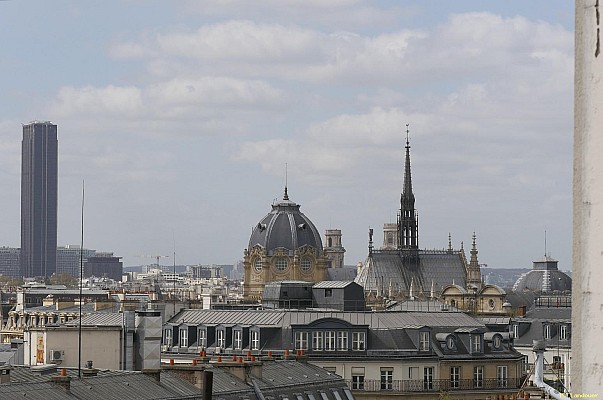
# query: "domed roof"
543, 281
285, 227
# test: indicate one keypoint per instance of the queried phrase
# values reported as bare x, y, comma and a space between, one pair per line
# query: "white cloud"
111, 100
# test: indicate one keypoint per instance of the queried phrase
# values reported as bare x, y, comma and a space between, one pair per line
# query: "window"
450, 342
478, 376
281, 264
305, 265
331, 370
423, 341
255, 340
317, 341
220, 340
387, 378
455, 377
202, 335
563, 332
515, 331
413, 373
501, 376
358, 341
328, 292
183, 337
358, 378
237, 339
342, 340
330, 340
167, 337
476, 343
258, 264
547, 332
497, 342
428, 378
301, 340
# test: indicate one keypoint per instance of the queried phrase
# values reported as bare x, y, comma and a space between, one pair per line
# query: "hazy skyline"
180, 117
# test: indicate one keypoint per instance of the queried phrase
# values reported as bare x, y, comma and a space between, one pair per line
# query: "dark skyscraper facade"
39, 199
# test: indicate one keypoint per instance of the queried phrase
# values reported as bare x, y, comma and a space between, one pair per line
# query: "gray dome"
543, 281
285, 227
544, 277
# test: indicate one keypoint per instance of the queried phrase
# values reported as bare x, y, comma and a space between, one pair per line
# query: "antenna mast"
79, 336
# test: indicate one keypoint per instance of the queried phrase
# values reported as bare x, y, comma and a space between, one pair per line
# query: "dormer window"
220, 338
547, 332
237, 339
255, 339
183, 337
167, 337
563, 332
497, 342
476, 343
424, 341
515, 331
450, 342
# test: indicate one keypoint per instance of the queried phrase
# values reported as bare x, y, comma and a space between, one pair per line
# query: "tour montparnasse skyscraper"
39, 192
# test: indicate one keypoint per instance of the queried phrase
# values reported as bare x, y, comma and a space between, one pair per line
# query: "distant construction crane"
155, 257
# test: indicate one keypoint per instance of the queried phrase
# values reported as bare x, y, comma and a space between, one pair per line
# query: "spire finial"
407, 132
545, 243
449, 242
286, 196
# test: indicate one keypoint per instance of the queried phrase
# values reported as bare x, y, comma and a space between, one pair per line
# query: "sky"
181, 118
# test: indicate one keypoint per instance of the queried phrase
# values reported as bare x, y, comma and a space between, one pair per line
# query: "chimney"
89, 371
62, 380
155, 373
522, 311
5, 374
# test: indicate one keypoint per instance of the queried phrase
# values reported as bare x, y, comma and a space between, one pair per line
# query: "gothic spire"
408, 225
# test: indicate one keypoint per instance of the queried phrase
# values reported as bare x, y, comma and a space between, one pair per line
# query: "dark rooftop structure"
334, 295
544, 277
265, 379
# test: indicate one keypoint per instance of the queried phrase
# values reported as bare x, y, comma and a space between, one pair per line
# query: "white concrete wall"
587, 291
102, 346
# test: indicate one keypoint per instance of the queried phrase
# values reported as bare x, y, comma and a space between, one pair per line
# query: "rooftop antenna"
79, 336
174, 242
545, 243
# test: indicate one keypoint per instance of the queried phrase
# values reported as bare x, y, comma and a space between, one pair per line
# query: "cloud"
111, 100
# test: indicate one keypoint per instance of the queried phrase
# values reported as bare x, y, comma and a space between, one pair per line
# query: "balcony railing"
436, 385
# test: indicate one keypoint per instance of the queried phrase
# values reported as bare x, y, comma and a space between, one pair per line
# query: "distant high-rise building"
39, 173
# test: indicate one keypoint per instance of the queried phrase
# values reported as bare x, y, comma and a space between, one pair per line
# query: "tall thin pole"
79, 336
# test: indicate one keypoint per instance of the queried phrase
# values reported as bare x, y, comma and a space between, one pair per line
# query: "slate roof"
285, 227
332, 284
341, 274
385, 266
283, 319
100, 319
280, 379
531, 327
536, 280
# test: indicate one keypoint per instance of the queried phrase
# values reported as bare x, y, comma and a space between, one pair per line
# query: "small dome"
285, 227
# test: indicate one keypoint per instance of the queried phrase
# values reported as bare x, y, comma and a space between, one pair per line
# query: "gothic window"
257, 264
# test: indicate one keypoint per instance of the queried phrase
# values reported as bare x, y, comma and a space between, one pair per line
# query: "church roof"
285, 227
440, 267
